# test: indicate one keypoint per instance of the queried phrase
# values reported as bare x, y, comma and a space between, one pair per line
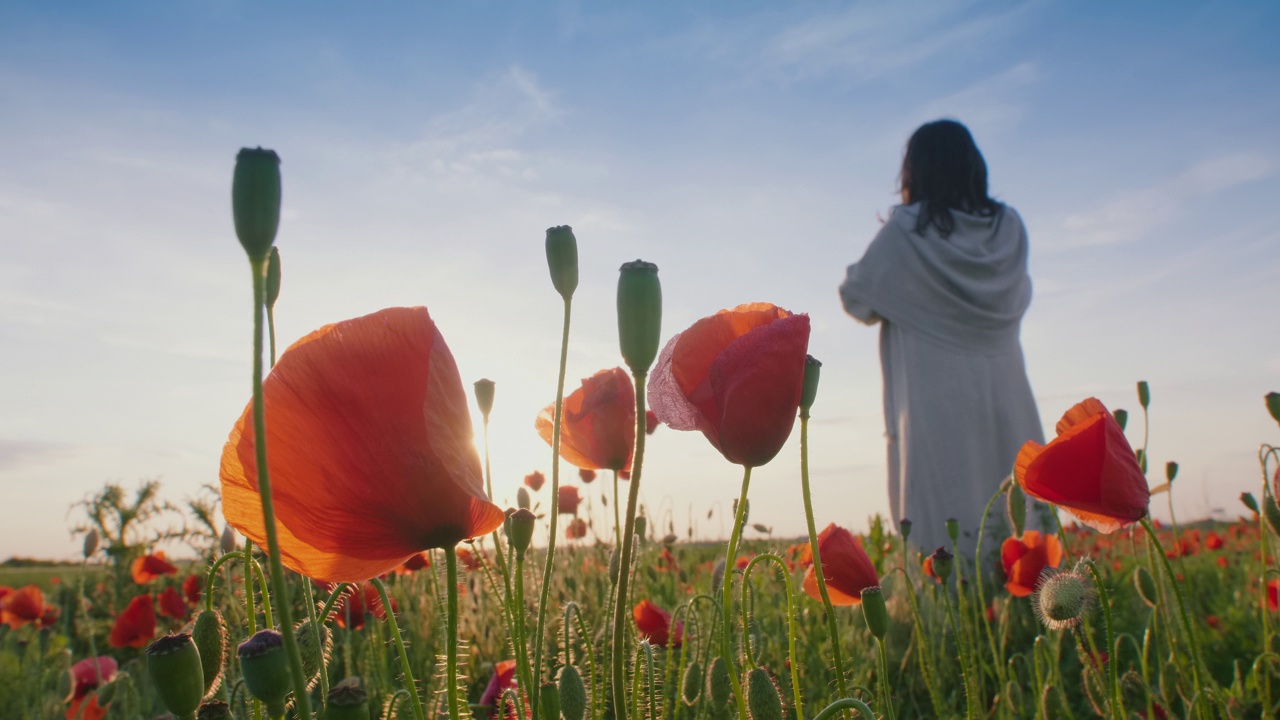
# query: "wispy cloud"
20, 454
988, 106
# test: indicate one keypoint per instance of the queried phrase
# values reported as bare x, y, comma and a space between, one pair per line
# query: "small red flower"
568, 499
1213, 622
597, 424
171, 604
417, 562
26, 605
535, 480
149, 567
86, 676
1214, 541
576, 529
193, 589
350, 611
587, 476
503, 679
1223, 562
136, 625
468, 559
654, 623
845, 567
1025, 558
1273, 594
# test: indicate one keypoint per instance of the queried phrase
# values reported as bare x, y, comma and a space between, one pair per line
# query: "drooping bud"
549, 701
875, 612
941, 563
255, 200
1249, 501
174, 665
90, 543
315, 645
562, 259
639, 314
273, 278
1146, 585
953, 530
484, 397
1122, 417
809, 391
573, 694
1170, 470
210, 636
347, 701
228, 540
763, 701
522, 523
691, 684
265, 669
1272, 513
719, 685
642, 528
1016, 507
522, 499
904, 527
1273, 405
1144, 394
214, 710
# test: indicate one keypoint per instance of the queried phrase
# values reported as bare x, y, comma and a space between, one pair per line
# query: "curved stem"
842, 704
620, 614
791, 623
726, 596
212, 573
332, 600
405, 667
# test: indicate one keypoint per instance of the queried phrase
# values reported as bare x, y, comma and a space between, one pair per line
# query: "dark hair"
944, 171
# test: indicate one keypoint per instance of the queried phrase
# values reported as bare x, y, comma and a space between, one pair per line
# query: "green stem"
519, 630
939, 709
726, 596
1113, 674
332, 600
451, 639
845, 704
262, 590
1182, 608
886, 695
832, 628
301, 697
213, 572
798, 698
618, 648
405, 667
249, 608
996, 651
972, 708
315, 637
617, 516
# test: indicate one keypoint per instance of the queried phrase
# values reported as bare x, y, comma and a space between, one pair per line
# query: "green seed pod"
809, 391
1121, 416
942, 563
1144, 394
210, 636
875, 612
265, 669
1016, 507
347, 701
484, 397
1272, 512
273, 277
953, 530
174, 665
1146, 585
90, 543
522, 524
314, 656
1273, 405
1249, 501
904, 527
719, 685
1170, 470
214, 710
573, 694
255, 200
763, 701
562, 259
642, 528
522, 499
639, 314
549, 701
691, 686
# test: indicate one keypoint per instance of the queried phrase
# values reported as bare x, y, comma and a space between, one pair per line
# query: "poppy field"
351, 562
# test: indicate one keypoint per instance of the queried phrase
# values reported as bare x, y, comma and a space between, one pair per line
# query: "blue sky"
747, 148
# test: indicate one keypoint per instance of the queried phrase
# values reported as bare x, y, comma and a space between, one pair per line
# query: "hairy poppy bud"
522, 499
1062, 599
718, 683
614, 562
214, 710
1016, 506
763, 701
562, 259
315, 643
904, 527
809, 391
691, 684
942, 561
1273, 405
549, 701
265, 669
639, 314
210, 636
875, 612
953, 530
717, 576
255, 200
1122, 417
1146, 585
174, 665
642, 527
522, 522
573, 694
347, 701
1249, 501
1144, 394
228, 540
1170, 470
484, 397
90, 543
273, 278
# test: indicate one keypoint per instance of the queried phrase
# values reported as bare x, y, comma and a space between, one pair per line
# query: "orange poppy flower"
568, 499
737, 377
371, 450
654, 623
149, 567
927, 568
415, 563
1089, 470
193, 589
171, 604
535, 480
26, 605
136, 626
1025, 558
576, 529
598, 423
845, 566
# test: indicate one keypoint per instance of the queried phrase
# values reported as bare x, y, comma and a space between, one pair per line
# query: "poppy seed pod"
639, 314
549, 700
522, 499
1170, 470
1122, 417
562, 259
484, 397
718, 682
265, 669
941, 563
1273, 405
210, 636
953, 530
215, 710
809, 391
875, 612
347, 701
904, 527
90, 543
273, 277
1016, 507
573, 694
255, 200
1144, 394
1249, 501
763, 701
642, 528
174, 665
522, 522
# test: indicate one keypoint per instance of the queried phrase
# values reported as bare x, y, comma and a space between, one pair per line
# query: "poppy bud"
875, 612
90, 543
904, 527
717, 576
1144, 394
763, 702
691, 684
1062, 599
670, 539
255, 200
1170, 470
1141, 456
639, 314
273, 277
522, 499
718, 683
562, 259
522, 522
484, 397
347, 701
1122, 417
1271, 512
642, 527
573, 694
314, 651
1016, 506
613, 566
953, 530
809, 391
1146, 585
214, 710
1273, 405
1249, 501
174, 665
942, 561
210, 636
265, 669
549, 701
228, 540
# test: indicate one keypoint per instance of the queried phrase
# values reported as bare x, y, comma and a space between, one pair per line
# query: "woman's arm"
860, 310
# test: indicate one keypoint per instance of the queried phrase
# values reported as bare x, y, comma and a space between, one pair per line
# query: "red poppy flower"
576, 529
587, 476
801, 553
1025, 558
598, 424
845, 567
743, 561
535, 480
89, 674
417, 562
1273, 594
737, 377
568, 499
149, 567
26, 605
86, 707
171, 604
193, 589
1223, 562
624, 474
136, 626
927, 568
1089, 470
654, 623
371, 450
350, 610
503, 679
468, 559
1214, 541
650, 422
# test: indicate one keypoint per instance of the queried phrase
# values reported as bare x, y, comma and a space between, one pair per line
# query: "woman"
946, 278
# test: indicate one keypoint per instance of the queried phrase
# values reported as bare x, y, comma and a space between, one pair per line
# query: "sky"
749, 149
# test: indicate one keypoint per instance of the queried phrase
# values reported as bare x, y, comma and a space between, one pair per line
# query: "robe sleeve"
860, 310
